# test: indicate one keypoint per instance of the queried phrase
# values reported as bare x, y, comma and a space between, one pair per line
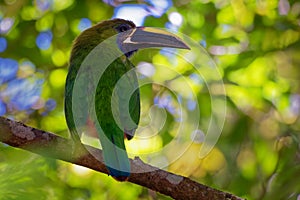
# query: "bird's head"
130, 38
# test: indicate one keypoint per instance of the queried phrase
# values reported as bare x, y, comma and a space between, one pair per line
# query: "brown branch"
19, 135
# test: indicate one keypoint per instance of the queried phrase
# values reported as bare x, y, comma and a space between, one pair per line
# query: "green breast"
117, 100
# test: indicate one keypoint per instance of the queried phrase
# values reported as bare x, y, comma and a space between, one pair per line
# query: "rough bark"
19, 135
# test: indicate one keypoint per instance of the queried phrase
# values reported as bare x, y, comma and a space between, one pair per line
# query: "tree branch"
19, 135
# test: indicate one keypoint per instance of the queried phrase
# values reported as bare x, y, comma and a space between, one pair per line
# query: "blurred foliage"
256, 46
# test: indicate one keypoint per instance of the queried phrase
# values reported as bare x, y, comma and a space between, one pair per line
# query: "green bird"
117, 116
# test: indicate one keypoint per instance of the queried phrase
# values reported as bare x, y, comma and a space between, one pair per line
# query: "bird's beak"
146, 37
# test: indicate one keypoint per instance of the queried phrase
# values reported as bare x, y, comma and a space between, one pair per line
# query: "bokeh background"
256, 47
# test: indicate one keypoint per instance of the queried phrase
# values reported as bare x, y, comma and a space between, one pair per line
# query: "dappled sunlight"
144, 143
57, 78
189, 163
250, 46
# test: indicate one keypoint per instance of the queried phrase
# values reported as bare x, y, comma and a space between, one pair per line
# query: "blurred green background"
256, 47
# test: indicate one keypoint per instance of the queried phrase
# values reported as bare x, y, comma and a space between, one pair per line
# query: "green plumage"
111, 102
112, 140
109, 106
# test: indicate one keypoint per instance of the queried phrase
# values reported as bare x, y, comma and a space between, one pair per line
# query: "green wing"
79, 109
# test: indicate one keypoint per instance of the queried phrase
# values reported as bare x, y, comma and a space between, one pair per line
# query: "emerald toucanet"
129, 39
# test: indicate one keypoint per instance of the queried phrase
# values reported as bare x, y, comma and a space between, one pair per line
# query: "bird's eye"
123, 28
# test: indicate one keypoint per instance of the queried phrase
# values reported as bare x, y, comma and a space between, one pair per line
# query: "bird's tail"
115, 155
